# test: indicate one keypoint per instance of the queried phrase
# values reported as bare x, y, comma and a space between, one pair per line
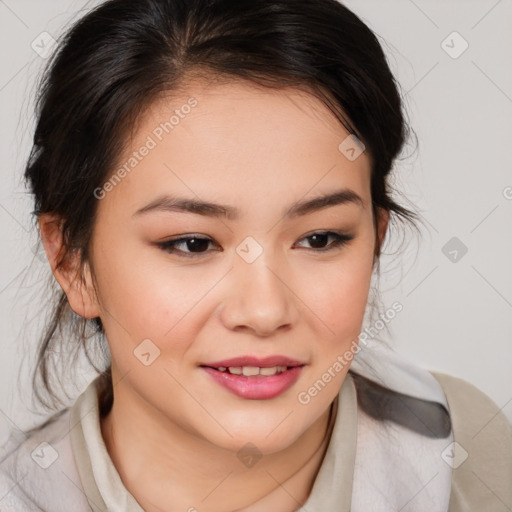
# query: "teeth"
250, 371
269, 371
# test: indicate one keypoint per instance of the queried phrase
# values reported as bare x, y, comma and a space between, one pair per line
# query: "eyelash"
341, 239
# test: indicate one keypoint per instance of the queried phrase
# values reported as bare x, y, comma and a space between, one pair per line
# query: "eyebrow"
299, 208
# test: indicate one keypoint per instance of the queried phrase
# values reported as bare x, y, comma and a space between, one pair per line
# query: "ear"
78, 288
382, 220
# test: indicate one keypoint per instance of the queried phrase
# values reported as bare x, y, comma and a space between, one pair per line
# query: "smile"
255, 383
251, 371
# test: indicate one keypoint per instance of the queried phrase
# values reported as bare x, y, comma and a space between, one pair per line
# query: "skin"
173, 433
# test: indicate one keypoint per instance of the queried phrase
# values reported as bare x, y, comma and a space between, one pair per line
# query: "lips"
255, 378
264, 362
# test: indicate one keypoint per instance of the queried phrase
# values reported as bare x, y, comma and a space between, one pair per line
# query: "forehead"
236, 141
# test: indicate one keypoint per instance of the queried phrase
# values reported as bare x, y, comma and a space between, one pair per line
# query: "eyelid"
342, 239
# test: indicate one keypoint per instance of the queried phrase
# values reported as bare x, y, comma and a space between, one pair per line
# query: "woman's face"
254, 281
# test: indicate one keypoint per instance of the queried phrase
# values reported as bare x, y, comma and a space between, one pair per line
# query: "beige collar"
105, 490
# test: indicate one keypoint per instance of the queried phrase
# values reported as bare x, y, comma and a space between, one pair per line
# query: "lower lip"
256, 387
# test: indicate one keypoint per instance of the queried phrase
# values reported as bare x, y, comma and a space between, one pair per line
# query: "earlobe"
75, 281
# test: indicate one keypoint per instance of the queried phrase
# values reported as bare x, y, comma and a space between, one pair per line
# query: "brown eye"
192, 246
189, 245
319, 240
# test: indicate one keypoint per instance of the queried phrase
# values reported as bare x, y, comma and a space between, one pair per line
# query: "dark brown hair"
117, 59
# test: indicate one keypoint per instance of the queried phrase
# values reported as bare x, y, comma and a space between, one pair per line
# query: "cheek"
142, 300
343, 306
337, 293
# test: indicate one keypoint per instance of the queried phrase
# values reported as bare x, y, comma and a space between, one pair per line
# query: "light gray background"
457, 315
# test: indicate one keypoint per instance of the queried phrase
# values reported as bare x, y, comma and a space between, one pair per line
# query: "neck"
173, 469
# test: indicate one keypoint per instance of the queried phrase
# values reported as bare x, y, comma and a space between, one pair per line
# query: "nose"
259, 299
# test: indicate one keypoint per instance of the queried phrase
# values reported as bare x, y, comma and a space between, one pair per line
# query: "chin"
268, 434
255, 443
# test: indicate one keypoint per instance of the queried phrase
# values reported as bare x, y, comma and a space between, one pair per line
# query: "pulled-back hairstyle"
116, 60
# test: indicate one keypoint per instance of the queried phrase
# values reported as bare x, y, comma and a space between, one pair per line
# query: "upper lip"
261, 362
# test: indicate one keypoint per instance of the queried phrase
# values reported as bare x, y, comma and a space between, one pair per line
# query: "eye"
320, 238
193, 245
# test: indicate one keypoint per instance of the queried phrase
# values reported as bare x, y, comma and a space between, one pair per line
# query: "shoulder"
38, 471
481, 455
473, 413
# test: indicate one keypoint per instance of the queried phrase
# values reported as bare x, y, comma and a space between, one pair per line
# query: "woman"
189, 158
